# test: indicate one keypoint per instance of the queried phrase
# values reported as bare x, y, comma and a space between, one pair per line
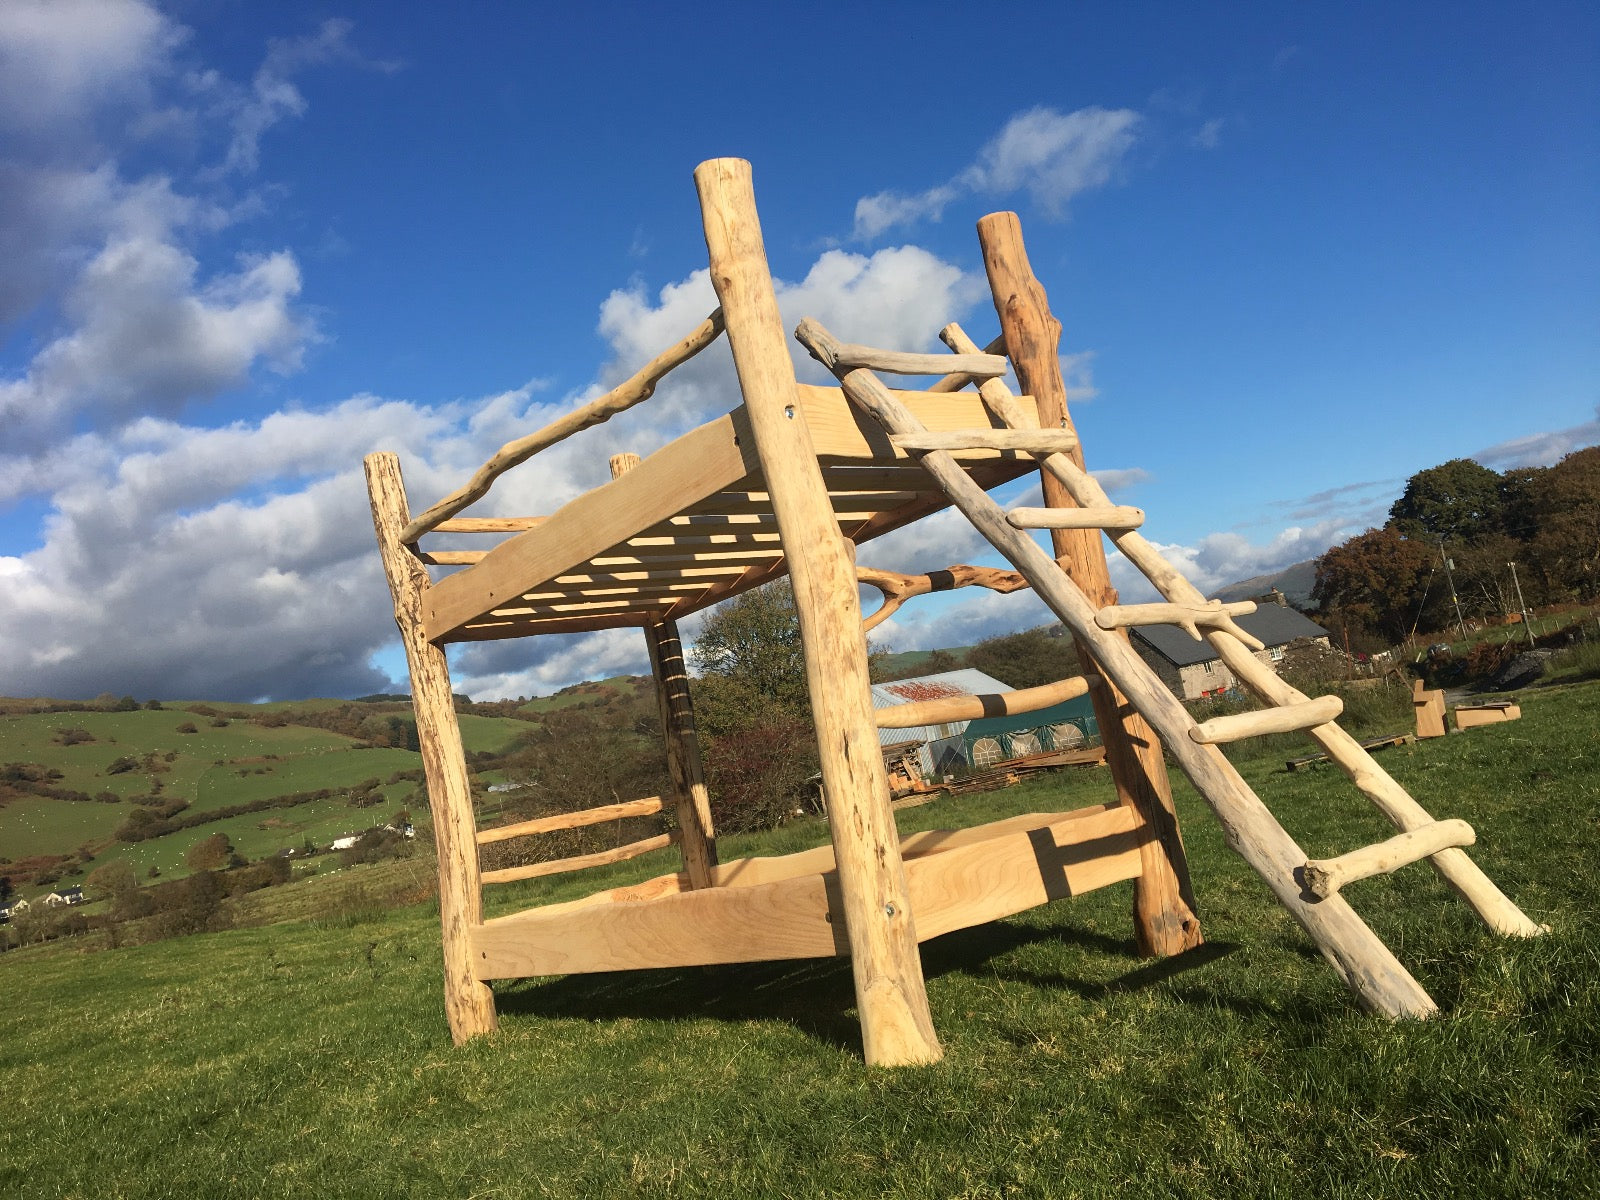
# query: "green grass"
312, 1057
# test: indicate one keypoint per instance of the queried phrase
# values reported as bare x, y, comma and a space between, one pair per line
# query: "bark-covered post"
1164, 918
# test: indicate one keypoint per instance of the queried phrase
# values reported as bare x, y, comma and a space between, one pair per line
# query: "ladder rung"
1290, 717
1188, 616
1322, 877
1111, 517
1033, 441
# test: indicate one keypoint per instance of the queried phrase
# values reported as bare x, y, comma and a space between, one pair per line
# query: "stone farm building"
989, 740
1192, 669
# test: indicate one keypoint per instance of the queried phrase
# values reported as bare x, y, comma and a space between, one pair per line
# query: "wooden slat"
1287, 719
963, 885
973, 708
571, 820
494, 629
580, 862
703, 461
749, 872
488, 524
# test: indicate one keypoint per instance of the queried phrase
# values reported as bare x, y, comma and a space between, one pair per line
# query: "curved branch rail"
637, 389
898, 588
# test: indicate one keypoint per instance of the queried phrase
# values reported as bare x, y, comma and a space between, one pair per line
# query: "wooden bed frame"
791, 483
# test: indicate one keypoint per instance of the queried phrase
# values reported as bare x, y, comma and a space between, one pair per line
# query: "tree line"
1465, 523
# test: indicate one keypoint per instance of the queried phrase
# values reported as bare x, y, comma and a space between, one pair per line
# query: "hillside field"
311, 1056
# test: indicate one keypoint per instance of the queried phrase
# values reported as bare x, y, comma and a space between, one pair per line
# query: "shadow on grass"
817, 996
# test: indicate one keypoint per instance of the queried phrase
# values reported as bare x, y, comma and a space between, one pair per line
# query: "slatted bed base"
769, 909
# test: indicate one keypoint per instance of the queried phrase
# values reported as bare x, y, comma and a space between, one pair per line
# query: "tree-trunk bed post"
468, 1002
691, 801
896, 1026
1163, 899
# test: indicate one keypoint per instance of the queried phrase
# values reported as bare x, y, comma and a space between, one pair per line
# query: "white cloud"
61, 61
1051, 156
1541, 449
149, 337
1219, 559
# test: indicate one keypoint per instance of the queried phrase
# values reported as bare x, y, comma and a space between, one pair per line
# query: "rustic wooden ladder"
1309, 889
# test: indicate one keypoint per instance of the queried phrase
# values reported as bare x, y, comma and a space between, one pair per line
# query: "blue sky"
1300, 253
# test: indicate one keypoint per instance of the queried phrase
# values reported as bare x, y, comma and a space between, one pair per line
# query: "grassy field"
311, 1057
210, 761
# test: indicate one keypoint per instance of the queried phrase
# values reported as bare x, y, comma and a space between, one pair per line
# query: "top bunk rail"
635, 390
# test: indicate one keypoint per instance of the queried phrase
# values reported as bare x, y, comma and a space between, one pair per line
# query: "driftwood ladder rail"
791, 482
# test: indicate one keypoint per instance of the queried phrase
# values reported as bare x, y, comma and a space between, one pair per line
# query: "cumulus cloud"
149, 337
1048, 155
237, 562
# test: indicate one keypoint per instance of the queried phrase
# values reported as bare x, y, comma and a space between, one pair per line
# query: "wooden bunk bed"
791, 483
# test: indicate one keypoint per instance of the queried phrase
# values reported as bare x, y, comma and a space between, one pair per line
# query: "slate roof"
1274, 625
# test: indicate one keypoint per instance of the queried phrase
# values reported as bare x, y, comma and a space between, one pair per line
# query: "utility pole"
1527, 622
1449, 573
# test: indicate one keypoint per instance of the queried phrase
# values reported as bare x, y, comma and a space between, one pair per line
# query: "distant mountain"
1294, 582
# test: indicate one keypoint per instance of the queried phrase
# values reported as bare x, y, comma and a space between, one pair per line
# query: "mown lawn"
311, 1058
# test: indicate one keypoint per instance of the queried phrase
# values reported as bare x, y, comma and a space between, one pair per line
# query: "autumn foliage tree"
1545, 519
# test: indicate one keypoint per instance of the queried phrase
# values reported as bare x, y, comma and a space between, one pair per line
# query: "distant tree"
1459, 500
1025, 659
209, 854
1380, 581
153, 705
106, 881
754, 639
188, 727
127, 704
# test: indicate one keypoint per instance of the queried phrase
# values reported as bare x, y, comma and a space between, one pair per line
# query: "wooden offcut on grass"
312, 1058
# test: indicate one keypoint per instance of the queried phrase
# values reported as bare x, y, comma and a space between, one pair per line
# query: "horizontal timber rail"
619, 399
974, 708
581, 862
573, 820
1496, 909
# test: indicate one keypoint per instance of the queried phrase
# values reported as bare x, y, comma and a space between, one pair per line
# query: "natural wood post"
1163, 900
468, 1003
692, 802
896, 1027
